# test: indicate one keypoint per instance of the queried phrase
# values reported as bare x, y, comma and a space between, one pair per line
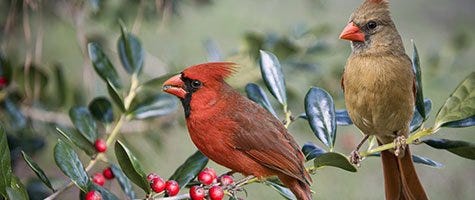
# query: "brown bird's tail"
300, 189
400, 178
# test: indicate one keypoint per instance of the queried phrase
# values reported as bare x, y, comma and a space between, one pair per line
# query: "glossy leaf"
69, 163
461, 123
115, 95
285, 192
417, 118
131, 166
17, 119
417, 159
105, 193
124, 182
5, 162
38, 171
321, 116
103, 65
189, 169
273, 76
16, 190
154, 105
256, 94
343, 118
460, 148
101, 109
131, 53
416, 66
311, 151
84, 123
335, 160
460, 105
77, 139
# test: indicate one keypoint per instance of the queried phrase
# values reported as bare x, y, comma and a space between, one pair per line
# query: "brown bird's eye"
196, 84
371, 25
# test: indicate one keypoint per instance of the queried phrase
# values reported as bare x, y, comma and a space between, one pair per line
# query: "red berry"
172, 188
152, 176
157, 184
93, 195
216, 193
211, 171
3, 81
205, 177
98, 179
100, 145
197, 193
108, 173
226, 179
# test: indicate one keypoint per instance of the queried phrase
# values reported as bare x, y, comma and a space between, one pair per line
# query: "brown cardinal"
379, 88
235, 132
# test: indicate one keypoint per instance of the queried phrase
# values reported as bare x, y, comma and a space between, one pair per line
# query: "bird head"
371, 29
202, 83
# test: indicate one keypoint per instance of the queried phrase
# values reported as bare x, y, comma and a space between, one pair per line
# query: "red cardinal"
235, 132
379, 93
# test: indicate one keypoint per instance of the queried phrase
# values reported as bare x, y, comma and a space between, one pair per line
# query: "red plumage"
236, 132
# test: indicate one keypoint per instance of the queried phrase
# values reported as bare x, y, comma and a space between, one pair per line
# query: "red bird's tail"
300, 189
400, 178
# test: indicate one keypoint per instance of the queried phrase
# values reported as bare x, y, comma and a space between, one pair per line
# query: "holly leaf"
285, 192
16, 190
103, 65
37, 169
189, 169
84, 123
335, 160
460, 105
311, 151
273, 76
457, 147
75, 138
417, 159
256, 94
114, 94
152, 105
320, 112
417, 72
131, 166
5, 163
101, 109
124, 182
131, 53
105, 193
467, 122
417, 118
69, 163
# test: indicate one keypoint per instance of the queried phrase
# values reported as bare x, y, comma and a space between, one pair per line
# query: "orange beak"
352, 33
175, 86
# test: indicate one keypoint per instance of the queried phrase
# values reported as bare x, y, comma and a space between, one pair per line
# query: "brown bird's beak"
175, 86
352, 33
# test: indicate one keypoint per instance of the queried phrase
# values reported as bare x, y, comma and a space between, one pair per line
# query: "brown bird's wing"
268, 142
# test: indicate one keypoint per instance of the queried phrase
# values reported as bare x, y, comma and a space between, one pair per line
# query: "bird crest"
215, 70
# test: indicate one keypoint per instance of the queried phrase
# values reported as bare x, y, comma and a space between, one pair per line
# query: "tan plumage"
378, 83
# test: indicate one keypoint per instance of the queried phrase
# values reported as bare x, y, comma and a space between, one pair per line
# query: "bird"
235, 132
379, 89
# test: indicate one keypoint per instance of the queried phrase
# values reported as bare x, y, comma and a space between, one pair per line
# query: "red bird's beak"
174, 85
352, 33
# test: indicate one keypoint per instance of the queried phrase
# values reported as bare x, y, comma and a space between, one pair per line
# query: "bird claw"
355, 158
400, 145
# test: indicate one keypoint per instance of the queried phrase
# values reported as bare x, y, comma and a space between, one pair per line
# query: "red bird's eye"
196, 84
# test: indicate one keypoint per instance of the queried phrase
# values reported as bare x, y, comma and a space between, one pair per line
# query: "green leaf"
14, 113
460, 148
5, 165
321, 116
461, 123
38, 171
101, 109
84, 123
69, 163
343, 118
131, 166
335, 160
102, 65
417, 118
75, 138
460, 105
311, 151
152, 105
256, 94
114, 94
416, 66
124, 182
16, 190
130, 51
105, 193
285, 192
273, 76
426, 161
189, 169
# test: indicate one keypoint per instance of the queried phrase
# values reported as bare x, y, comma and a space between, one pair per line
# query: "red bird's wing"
264, 139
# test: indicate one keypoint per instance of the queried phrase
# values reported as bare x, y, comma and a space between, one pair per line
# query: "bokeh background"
177, 33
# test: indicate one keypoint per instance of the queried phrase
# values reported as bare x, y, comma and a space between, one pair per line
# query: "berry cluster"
211, 185
99, 179
158, 185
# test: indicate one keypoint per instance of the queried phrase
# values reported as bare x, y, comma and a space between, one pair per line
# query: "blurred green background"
302, 33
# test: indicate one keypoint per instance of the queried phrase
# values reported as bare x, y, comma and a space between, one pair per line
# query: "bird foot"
355, 158
400, 145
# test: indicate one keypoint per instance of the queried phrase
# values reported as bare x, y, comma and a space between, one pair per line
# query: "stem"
288, 116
